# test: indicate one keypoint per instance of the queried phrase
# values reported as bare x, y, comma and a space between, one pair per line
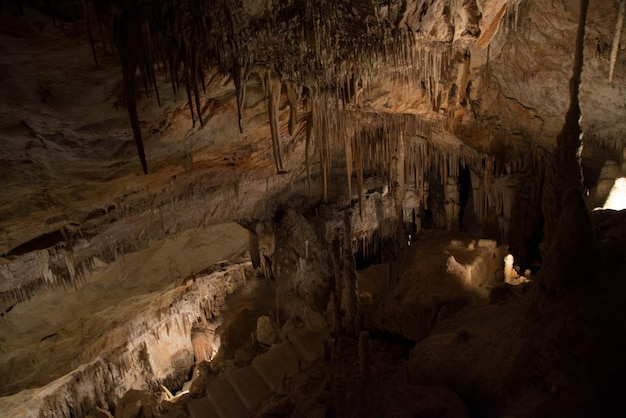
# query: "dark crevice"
41, 242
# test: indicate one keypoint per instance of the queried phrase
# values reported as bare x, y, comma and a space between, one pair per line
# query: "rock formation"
314, 198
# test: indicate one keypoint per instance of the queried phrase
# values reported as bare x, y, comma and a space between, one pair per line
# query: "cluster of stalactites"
24, 275
330, 46
404, 149
613, 143
153, 337
511, 19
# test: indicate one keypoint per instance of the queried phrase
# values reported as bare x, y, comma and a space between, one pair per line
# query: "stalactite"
273, 87
91, 41
612, 143
187, 37
239, 76
194, 81
156, 87
616, 38
188, 90
126, 27
349, 163
102, 37
292, 99
359, 172
400, 174
147, 65
309, 138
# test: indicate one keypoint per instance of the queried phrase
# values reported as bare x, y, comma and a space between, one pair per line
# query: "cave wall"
263, 104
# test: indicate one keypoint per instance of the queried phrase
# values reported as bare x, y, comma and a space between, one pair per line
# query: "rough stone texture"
474, 354
301, 268
266, 333
434, 274
135, 404
572, 257
521, 354
97, 246
151, 343
99, 413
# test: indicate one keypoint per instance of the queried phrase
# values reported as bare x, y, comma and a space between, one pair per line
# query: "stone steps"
239, 392
225, 400
279, 363
250, 387
309, 343
201, 408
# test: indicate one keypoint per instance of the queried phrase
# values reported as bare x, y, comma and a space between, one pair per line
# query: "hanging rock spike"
273, 87
238, 73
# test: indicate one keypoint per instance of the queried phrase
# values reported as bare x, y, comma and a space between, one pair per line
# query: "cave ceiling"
234, 106
139, 133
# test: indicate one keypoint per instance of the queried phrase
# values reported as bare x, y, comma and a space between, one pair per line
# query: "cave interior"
312, 208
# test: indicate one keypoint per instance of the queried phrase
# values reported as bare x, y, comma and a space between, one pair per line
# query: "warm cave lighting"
511, 272
617, 196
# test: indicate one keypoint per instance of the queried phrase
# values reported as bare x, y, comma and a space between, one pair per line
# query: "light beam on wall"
617, 195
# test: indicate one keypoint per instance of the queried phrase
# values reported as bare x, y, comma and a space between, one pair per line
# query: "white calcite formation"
511, 274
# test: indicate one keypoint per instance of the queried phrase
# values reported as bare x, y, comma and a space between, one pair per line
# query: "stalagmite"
451, 203
616, 38
401, 91
350, 297
572, 256
511, 276
336, 289
365, 342
563, 171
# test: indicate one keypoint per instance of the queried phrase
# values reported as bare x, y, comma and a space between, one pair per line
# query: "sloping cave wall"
238, 108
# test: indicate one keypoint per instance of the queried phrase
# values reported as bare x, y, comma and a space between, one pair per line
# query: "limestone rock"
202, 341
511, 275
99, 413
136, 404
473, 352
301, 266
101, 268
572, 255
266, 333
